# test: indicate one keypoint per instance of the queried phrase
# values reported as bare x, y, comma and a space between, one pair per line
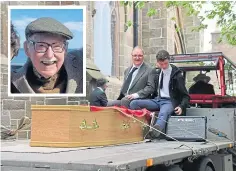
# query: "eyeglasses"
137, 56
42, 47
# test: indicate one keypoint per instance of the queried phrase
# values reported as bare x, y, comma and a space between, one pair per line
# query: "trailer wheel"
205, 164
202, 164
208, 168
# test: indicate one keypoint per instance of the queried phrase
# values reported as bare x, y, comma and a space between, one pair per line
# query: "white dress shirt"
133, 77
164, 92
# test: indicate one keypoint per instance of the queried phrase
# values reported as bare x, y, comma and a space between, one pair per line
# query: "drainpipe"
135, 26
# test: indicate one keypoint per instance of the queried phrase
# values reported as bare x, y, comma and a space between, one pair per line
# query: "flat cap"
48, 25
101, 82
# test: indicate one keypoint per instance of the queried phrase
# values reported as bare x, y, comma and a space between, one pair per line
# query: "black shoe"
154, 133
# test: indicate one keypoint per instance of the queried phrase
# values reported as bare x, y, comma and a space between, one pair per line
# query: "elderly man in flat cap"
49, 69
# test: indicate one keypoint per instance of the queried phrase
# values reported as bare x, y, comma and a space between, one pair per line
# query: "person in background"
15, 42
7, 133
201, 85
135, 84
170, 93
98, 96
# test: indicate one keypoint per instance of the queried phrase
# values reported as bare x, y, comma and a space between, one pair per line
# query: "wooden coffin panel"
77, 126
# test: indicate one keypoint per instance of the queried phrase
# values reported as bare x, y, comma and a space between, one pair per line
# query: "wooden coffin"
77, 126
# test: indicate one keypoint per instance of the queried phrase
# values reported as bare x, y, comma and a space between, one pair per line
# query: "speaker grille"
187, 127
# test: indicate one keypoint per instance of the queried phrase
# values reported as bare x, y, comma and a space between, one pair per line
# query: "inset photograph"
47, 51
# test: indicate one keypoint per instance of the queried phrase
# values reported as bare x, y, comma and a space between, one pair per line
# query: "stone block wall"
193, 39
157, 31
126, 39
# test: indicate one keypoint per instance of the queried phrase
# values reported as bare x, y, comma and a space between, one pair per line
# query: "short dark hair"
162, 55
101, 82
15, 41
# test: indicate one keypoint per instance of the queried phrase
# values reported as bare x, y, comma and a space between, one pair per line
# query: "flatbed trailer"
212, 155
19, 156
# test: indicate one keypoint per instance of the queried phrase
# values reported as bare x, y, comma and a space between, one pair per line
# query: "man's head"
137, 56
202, 77
102, 82
163, 58
15, 42
46, 45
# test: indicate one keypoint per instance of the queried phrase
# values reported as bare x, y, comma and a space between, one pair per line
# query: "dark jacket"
74, 69
178, 92
14, 89
201, 87
98, 98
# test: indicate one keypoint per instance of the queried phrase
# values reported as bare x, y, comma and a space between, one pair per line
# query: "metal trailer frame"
19, 156
219, 59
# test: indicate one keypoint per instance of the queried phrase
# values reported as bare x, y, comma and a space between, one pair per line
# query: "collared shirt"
101, 89
134, 75
164, 92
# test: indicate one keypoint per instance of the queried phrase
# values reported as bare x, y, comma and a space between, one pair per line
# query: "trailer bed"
18, 155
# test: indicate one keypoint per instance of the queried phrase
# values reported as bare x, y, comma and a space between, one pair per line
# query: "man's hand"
178, 110
132, 96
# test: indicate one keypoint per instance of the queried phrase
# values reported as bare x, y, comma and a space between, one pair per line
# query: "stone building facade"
153, 34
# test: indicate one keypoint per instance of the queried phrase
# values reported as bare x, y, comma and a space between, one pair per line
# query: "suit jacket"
98, 98
140, 84
74, 69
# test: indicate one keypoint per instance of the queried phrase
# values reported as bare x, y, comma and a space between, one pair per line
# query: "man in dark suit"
201, 85
98, 96
135, 84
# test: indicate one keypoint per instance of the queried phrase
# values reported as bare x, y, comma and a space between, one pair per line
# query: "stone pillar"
4, 27
193, 39
126, 38
89, 28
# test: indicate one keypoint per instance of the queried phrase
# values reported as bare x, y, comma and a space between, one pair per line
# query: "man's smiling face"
137, 56
47, 53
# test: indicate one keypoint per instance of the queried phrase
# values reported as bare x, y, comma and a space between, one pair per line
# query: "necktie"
160, 84
128, 80
161, 81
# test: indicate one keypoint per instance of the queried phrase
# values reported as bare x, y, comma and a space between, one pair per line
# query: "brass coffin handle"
85, 126
125, 125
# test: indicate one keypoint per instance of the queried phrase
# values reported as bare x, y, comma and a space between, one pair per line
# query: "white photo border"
83, 7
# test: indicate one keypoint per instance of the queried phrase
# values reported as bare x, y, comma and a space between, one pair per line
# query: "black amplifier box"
187, 128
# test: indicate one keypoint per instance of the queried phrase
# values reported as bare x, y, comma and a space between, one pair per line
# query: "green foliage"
221, 11
151, 12
129, 23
